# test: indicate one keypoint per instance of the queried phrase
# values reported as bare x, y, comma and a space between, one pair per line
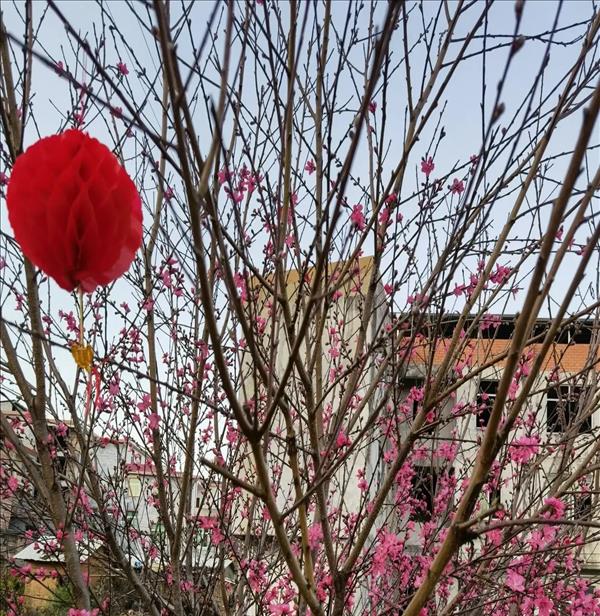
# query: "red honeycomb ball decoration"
75, 212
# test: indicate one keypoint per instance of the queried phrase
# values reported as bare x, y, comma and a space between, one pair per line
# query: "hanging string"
80, 292
83, 355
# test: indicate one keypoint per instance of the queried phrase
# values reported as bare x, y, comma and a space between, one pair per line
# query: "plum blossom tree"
354, 367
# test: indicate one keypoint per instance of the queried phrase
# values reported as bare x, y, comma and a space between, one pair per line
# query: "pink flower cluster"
524, 449
237, 188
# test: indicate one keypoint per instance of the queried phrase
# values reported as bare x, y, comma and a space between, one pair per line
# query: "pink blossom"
342, 440
501, 274
261, 325
310, 167
494, 536
12, 484
556, 508
240, 283
544, 605
541, 538
114, 387
384, 216
256, 574
224, 175
165, 276
232, 434
389, 548
62, 429
524, 448
216, 536
515, 581
427, 166
237, 196
372, 106
416, 298
490, 321
145, 404
122, 68
457, 187
153, 421
358, 218
83, 499
252, 182
416, 394
447, 451
315, 536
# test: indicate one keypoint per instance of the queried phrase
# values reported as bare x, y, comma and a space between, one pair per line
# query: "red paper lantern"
74, 210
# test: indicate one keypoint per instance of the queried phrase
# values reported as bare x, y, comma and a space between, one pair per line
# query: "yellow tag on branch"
83, 356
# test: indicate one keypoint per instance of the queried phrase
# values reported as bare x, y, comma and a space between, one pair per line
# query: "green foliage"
11, 589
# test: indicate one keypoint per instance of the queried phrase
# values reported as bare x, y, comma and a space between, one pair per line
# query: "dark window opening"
424, 484
61, 440
486, 396
406, 386
61, 464
578, 334
582, 506
582, 334
501, 331
562, 406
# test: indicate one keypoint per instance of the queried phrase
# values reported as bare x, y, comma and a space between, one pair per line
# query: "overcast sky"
462, 119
